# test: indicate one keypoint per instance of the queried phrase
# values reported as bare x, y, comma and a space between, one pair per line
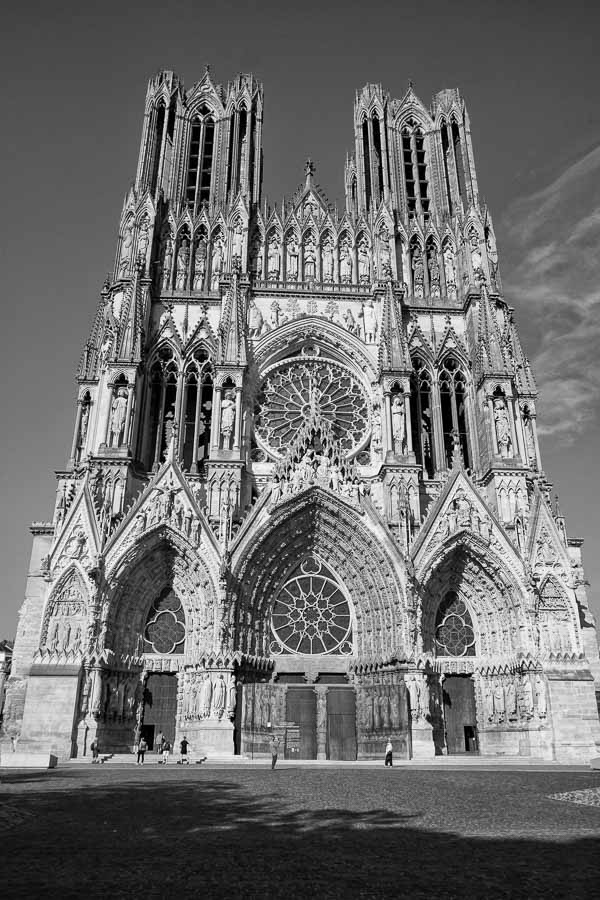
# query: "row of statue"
64, 636
207, 696
364, 325
514, 698
380, 708
317, 470
261, 706
120, 698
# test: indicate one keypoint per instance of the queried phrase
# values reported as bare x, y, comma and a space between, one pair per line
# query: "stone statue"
349, 321
364, 263
385, 259
274, 316
255, 320
413, 696
376, 435
292, 258
310, 259
257, 256
526, 697
511, 699
126, 251
502, 428
237, 244
199, 265
489, 701
434, 273
227, 419
143, 241
118, 412
398, 425
418, 272
219, 697
167, 264
183, 261
217, 264
499, 702
205, 696
475, 254
231, 698
83, 428
540, 697
273, 259
327, 260
345, 262
450, 271
395, 711
369, 321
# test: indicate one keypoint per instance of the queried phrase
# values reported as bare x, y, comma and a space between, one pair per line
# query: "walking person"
142, 747
183, 751
388, 753
166, 749
274, 747
95, 750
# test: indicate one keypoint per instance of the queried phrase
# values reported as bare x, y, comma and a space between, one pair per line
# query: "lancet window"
163, 396
161, 145
421, 416
239, 150
454, 165
200, 158
414, 166
196, 408
454, 634
165, 625
453, 400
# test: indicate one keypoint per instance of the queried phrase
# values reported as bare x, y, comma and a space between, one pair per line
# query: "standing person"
183, 751
95, 750
388, 753
274, 747
142, 747
158, 743
166, 749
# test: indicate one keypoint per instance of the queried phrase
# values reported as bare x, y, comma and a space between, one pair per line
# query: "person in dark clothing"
274, 747
95, 750
388, 753
183, 751
142, 747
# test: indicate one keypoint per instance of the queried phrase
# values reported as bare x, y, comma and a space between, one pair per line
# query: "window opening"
454, 635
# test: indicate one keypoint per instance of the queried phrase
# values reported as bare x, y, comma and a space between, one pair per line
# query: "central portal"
160, 707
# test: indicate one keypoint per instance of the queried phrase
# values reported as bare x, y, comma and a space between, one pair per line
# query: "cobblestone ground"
104, 832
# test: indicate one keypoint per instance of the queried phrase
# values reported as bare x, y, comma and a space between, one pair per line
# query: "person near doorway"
95, 750
158, 743
274, 747
388, 753
183, 751
142, 747
166, 749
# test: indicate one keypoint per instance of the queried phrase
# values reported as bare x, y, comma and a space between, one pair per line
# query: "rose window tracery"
311, 614
311, 390
165, 625
454, 635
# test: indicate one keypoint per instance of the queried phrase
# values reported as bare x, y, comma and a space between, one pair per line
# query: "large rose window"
165, 626
311, 389
310, 614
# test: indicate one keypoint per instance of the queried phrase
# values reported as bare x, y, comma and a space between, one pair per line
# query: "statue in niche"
369, 317
526, 697
167, 264
395, 711
310, 259
293, 251
345, 262
475, 254
126, 250
350, 322
450, 271
364, 262
273, 259
541, 701
118, 413
55, 637
275, 314
256, 255
219, 697
376, 713
216, 264
502, 428
227, 418
231, 698
199, 264
327, 260
488, 699
143, 241
83, 428
418, 272
385, 258
511, 699
398, 425
205, 696
434, 273
499, 703
237, 244
376, 435
413, 696
255, 320
77, 640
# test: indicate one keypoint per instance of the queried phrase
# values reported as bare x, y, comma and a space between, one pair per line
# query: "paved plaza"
239, 832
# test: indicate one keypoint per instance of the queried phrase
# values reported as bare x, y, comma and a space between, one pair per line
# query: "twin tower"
304, 493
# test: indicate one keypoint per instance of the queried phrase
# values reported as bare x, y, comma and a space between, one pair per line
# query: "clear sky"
72, 93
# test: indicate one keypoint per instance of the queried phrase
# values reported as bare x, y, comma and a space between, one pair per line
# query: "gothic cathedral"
304, 493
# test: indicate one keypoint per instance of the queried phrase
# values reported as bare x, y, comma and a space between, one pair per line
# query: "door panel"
301, 708
160, 704
459, 714
341, 723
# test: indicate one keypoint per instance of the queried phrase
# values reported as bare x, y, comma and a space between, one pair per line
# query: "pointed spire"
393, 346
232, 327
130, 329
309, 171
489, 358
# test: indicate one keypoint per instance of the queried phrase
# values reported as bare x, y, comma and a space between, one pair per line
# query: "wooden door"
459, 714
160, 704
301, 709
341, 723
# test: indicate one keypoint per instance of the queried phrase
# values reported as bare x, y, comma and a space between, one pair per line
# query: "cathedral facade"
305, 493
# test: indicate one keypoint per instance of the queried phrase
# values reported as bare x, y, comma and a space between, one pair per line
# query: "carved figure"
126, 251
398, 425
275, 313
219, 697
310, 259
540, 697
385, 259
418, 272
227, 418
205, 696
502, 428
413, 695
167, 264
526, 697
118, 412
499, 702
450, 271
257, 256
199, 264
327, 260
434, 273
237, 244
511, 699
345, 262
255, 320
475, 254
217, 264
376, 435
143, 241
369, 321
350, 321
364, 263
83, 428
489, 701
231, 698
273, 258
292, 258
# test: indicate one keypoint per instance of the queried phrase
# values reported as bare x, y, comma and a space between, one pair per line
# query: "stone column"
127, 428
439, 450
216, 419
389, 441
321, 692
237, 435
408, 421
538, 462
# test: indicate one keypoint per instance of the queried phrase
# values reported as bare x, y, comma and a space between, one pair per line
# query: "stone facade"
305, 492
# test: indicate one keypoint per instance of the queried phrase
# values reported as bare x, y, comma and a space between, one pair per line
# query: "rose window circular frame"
297, 389
311, 615
165, 625
454, 634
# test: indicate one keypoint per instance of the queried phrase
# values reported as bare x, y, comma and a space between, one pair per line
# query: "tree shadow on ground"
214, 838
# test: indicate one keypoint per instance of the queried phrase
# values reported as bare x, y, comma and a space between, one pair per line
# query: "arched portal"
318, 588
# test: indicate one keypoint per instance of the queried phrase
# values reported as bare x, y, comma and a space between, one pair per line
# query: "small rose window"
165, 625
454, 634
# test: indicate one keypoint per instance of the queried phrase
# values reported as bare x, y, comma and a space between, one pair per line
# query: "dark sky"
72, 92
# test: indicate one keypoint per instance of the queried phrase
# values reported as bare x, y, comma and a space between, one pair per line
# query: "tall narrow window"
163, 394
367, 161
460, 167
200, 159
421, 416
196, 412
157, 146
409, 181
414, 166
378, 158
453, 399
445, 152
